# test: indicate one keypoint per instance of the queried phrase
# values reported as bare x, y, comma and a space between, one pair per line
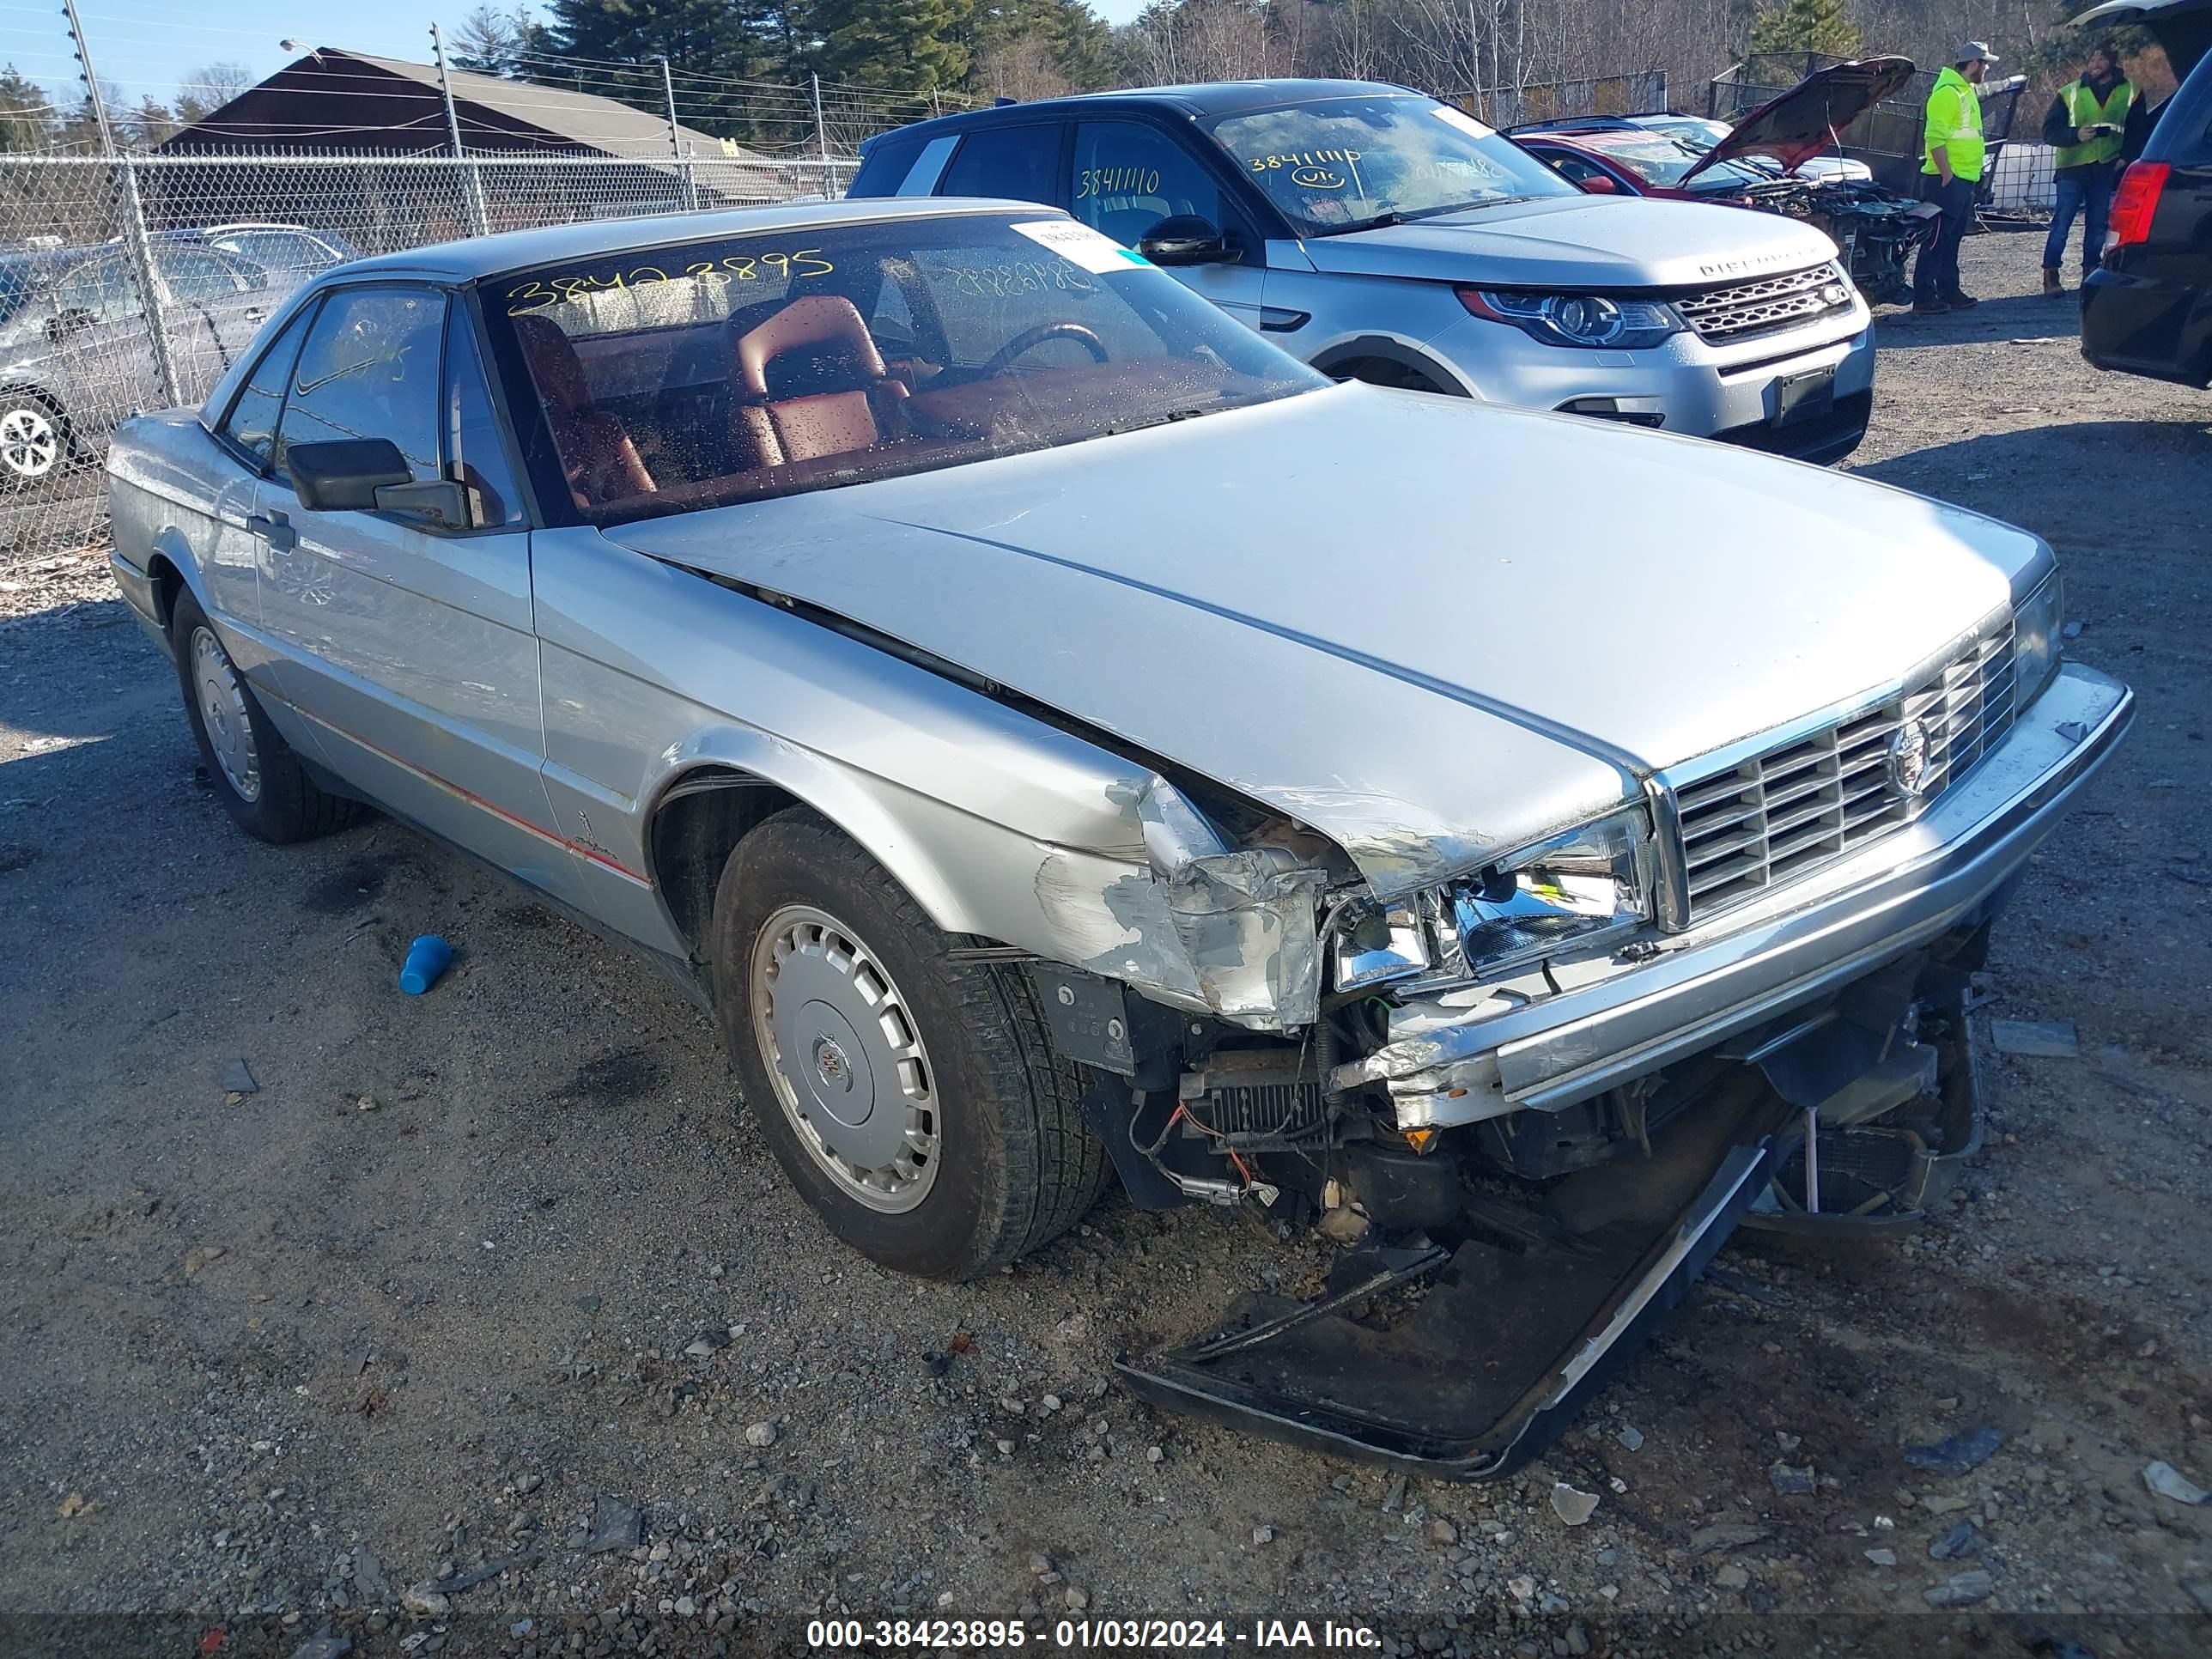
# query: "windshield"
1660, 159
702, 372
1341, 164
1700, 134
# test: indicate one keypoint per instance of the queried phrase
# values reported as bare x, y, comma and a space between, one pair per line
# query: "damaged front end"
1530, 1099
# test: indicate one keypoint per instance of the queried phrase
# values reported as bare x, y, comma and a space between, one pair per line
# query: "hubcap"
846, 1058
29, 446
222, 712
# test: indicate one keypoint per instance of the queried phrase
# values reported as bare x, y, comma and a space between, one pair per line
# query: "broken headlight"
1578, 319
2037, 627
1570, 890
1574, 890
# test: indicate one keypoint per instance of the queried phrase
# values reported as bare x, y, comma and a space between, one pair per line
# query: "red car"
1762, 164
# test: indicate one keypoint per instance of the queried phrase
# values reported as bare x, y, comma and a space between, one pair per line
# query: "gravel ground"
485, 1321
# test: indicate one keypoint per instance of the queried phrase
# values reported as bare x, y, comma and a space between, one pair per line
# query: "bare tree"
207, 89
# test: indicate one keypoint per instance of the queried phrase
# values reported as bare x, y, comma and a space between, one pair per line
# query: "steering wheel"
1030, 339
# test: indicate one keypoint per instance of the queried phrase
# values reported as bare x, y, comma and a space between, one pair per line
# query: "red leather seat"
597, 456
774, 431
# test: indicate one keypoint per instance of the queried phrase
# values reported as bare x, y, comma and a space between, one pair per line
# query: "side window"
1572, 168
252, 421
1128, 177
104, 289
1018, 162
369, 369
201, 275
474, 447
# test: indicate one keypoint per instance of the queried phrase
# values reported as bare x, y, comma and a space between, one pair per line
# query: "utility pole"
479, 222
134, 218
676, 136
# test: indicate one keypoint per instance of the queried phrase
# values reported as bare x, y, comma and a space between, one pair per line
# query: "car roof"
1204, 100
519, 249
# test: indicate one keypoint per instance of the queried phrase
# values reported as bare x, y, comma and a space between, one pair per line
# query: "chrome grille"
1785, 813
1748, 308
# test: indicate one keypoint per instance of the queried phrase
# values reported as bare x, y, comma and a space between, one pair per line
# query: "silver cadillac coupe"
1060, 736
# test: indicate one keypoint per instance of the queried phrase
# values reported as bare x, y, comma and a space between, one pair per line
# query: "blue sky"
143, 46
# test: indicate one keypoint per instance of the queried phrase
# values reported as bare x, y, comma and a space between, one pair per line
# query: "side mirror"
441, 503
1600, 184
365, 475
345, 477
62, 324
1185, 238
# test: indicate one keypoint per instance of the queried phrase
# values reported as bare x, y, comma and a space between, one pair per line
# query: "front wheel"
913, 1100
264, 788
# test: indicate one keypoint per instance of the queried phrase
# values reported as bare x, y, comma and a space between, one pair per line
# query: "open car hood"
2182, 27
1805, 120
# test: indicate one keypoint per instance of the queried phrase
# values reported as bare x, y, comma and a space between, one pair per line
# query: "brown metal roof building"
360, 144
348, 100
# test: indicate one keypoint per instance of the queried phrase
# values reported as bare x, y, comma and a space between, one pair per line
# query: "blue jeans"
2086, 192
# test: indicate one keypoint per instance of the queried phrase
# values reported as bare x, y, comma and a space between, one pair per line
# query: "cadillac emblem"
1908, 759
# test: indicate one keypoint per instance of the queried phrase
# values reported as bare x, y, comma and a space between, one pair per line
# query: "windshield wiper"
1409, 216
1153, 420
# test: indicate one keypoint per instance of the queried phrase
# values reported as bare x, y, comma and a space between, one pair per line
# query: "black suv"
2148, 309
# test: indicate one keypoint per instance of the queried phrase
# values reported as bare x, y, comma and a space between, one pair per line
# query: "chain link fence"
1549, 101
132, 283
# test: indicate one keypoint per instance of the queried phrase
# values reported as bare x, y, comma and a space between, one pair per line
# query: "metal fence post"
134, 221
676, 139
821, 135
471, 181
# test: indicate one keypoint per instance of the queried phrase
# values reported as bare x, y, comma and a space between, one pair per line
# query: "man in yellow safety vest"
2087, 128
1950, 175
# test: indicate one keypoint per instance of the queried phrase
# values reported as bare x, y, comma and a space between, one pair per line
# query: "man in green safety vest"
2087, 128
1950, 176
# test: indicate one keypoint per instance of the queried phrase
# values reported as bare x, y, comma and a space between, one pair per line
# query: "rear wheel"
33, 441
913, 1099
262, 784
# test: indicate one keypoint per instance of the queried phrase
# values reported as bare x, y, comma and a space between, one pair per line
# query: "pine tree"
1806, 26
25, 123
731, 40
907, 44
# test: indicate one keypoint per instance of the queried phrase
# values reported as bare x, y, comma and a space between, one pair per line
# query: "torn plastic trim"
1234, 932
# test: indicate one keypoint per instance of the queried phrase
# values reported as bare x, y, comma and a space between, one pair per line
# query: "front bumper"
1751, 965
1731, 393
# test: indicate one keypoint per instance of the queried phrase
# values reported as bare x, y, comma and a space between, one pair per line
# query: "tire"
34, 444
1380, 371
822, 959
262, 784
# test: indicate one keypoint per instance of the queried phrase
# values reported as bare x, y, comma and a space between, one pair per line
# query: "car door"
216, 303
1126, 176
104, 366
409, 647
230, 548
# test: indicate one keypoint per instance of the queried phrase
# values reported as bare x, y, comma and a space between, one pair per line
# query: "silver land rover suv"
1384, 236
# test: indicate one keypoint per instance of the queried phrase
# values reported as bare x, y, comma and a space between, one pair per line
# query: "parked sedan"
76, 354
1772, 160
1055, 733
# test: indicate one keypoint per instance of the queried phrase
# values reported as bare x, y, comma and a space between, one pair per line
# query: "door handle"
275, 528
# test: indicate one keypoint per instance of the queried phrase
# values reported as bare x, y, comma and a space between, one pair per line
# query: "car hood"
1431, 630
1594, 241
1806, 120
